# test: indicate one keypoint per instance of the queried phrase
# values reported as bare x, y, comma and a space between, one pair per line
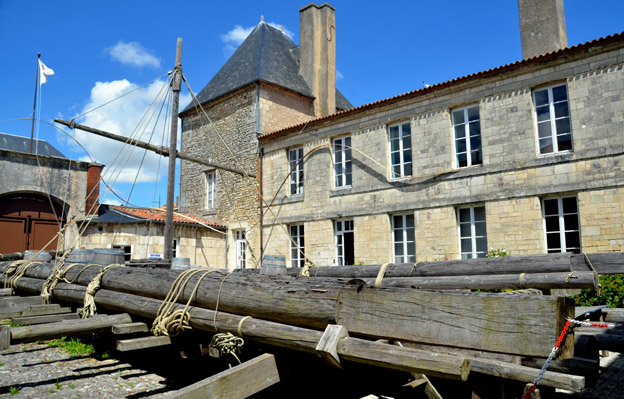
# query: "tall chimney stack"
317, 55
542, 27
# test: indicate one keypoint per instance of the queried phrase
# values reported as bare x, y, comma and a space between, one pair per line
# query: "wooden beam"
523, 325
51, 318
327, 345
5, 337
129, 328
238, 382
126, 345
67, 328
10, 304
6, 292
605, 263
35, 310
614, 315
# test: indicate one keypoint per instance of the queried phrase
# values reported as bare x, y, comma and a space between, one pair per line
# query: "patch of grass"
58, 385
1, 364
131, 384
73, 346
16, 325
72, 386
105, 355
14, 390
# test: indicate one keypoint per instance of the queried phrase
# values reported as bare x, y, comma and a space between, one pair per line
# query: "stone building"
266, 85
527, 156
140, 232
41, 192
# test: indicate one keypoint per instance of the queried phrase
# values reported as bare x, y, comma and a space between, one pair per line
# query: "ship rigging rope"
89, 309
169, 320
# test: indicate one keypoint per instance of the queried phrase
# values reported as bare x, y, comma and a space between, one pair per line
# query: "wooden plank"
523, 325
614, 314
67, 328
10, 304
129, 328
5, 337
6, 292
50, 318
238, 382
327, 345
126, 345
35, 310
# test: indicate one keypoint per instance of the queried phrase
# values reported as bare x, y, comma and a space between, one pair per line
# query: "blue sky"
100, 50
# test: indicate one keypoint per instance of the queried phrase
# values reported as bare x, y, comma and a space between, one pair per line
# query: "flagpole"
32, 128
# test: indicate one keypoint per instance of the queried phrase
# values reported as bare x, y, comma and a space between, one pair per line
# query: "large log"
605, 263
546, 263
272, 333
497, 281
523, 325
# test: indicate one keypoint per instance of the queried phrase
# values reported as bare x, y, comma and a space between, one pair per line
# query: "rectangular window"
553, 119
174, 248
472, 232
297, 246
561, 223
467, 130
342, 162
240, 249
127, 251
400, 137
403, 238
295, 161
343, 230
210, 178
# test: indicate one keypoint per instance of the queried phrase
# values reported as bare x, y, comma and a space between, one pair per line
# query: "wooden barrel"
273, 265
44, 256
108, 256
180, 263
80, 256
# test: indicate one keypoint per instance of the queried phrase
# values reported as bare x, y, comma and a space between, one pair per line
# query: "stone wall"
511, 182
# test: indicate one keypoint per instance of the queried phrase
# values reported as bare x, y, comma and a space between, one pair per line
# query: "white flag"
44, 72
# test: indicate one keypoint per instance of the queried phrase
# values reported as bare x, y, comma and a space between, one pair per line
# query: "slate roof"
266, 55
10, 142
125, 214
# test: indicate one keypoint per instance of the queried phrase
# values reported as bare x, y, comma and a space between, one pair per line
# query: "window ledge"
208, 212
293, 198
340, 191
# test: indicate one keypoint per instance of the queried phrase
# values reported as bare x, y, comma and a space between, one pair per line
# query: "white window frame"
340, 228
295, 163
175, 246
563, 228
405, 242
552, 119
472, 223
342, 162
210, 193
467, 136
240, 249
297, 245
402, 152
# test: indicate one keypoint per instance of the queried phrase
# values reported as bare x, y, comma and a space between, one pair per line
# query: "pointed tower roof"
268, 55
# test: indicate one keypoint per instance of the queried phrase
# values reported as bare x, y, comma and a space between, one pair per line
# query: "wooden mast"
173, 138
32, 127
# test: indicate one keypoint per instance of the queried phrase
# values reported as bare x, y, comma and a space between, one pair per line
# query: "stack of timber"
443, 333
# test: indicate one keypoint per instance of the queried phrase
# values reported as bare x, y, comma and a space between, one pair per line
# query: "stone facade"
203, 247
511, 184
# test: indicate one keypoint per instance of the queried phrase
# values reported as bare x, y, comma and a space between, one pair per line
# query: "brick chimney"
93, 189
317, 55
542, 27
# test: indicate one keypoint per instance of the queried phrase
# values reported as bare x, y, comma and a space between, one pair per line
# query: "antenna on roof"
261, 18
282, 28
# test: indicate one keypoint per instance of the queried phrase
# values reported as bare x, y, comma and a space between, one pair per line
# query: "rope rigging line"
89, 309
169, 320
56, 276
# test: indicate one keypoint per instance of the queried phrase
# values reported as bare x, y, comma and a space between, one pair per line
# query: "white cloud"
112, 201
133, 54
236, 36
339, 75
127, 117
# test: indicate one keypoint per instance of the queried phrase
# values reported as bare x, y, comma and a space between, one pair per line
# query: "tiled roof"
580, 48
266, 55
125, 214
22, 144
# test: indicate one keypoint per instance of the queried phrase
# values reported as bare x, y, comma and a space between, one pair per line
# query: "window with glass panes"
240, 249
342, 161
400, 137
472, 232
343, 230
297, 245
404, 245
295, 161
553, 119
561, 223
467, 131
211, 189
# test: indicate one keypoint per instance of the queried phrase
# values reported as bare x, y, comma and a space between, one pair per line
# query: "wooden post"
5, 337
126, 345
328, 344
173, 139
51, 318
238, 382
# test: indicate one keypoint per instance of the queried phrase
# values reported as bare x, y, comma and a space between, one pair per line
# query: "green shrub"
611, 292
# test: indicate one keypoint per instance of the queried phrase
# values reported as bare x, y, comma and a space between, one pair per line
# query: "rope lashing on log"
15, 271
594, 270
381, 274
48, 286
240, 325
522, 281
569, 324
170, 321
571, 276
89, 309
214, 320
58, 275
227, 344
526, 291
305, 271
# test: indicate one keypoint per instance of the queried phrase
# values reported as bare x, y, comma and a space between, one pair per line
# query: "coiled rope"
89, 309
16, 270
